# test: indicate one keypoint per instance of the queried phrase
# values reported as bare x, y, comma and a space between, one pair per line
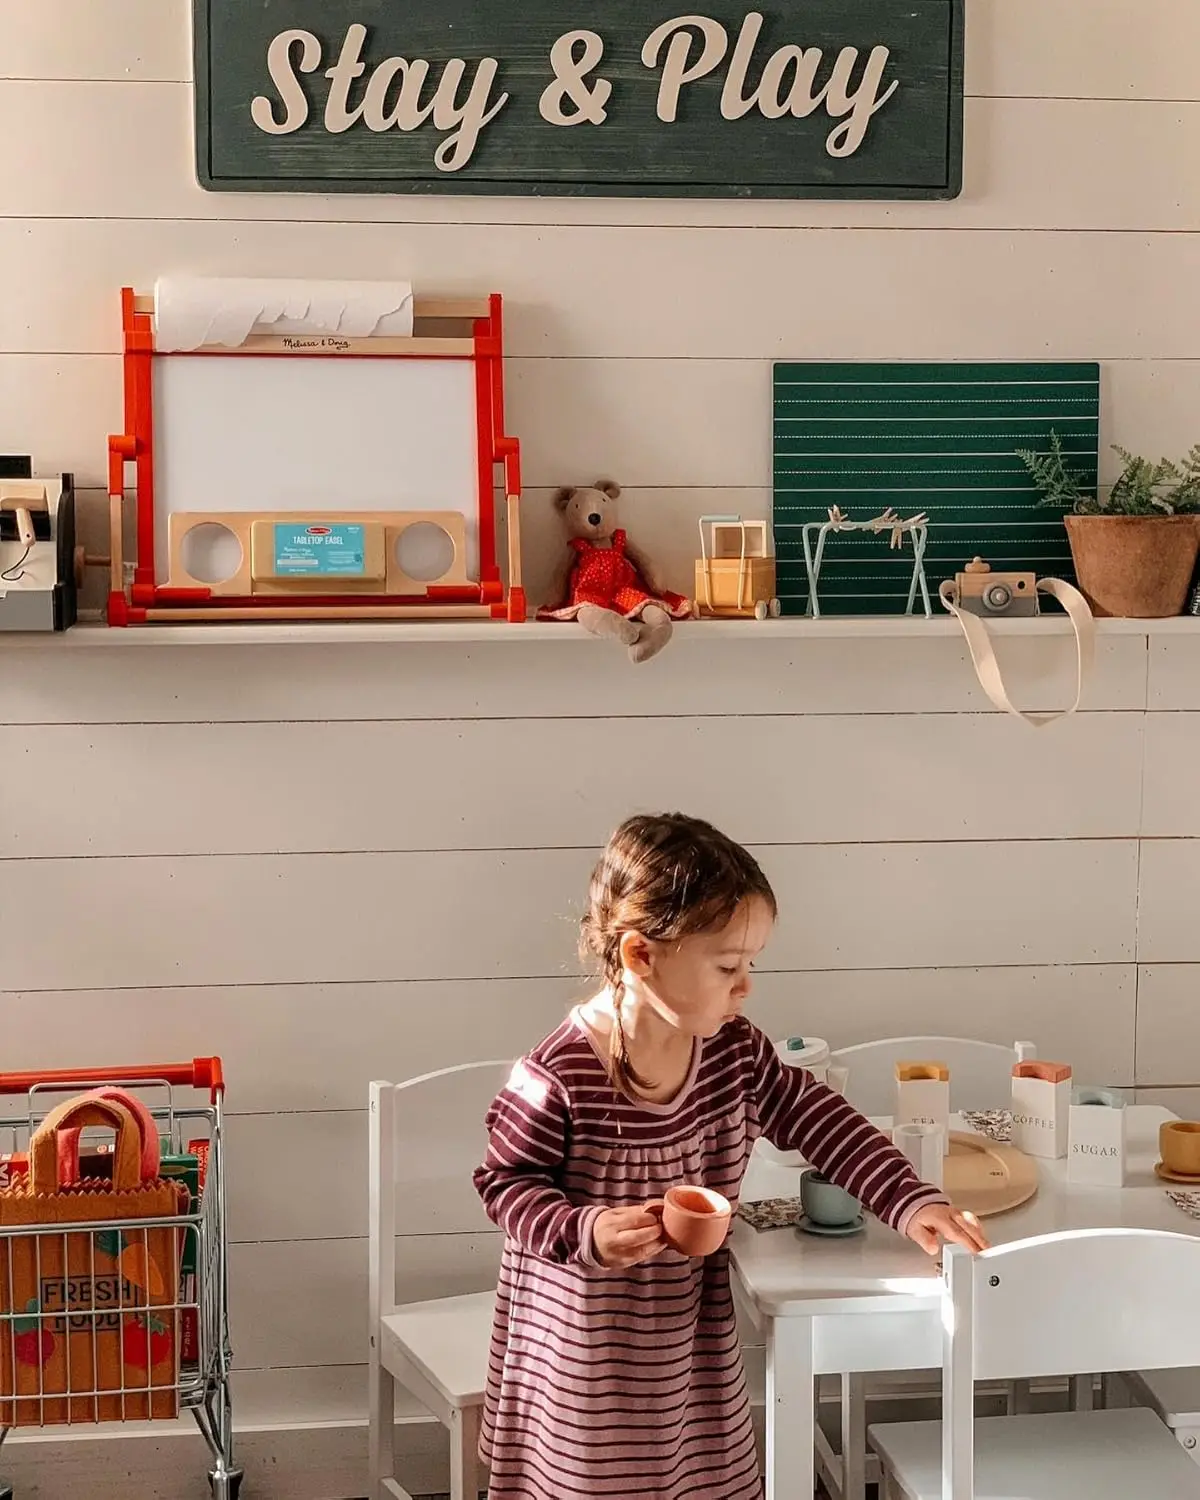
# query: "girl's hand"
938, 1222
624, 1237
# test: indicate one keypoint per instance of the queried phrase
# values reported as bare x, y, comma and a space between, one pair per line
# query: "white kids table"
870, 1303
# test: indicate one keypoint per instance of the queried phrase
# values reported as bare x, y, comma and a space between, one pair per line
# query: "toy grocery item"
735, 575
93, 1350
313, 451
608, 586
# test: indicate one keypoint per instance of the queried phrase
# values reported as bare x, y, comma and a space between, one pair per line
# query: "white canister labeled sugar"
1097, 1137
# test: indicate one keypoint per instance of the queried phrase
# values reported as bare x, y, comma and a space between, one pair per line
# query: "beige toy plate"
985, 1178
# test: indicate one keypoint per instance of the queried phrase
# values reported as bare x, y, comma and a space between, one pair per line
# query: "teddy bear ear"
608, 487
563, 498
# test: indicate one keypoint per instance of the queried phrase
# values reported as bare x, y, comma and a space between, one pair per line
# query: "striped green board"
938, 438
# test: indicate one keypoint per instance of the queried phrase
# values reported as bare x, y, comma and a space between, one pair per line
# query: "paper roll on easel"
196, 312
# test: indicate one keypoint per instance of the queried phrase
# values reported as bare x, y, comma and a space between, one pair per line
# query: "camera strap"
983, 653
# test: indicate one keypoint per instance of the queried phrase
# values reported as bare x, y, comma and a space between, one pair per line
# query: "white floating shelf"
93, 636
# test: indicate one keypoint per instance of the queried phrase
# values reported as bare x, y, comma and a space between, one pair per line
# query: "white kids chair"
980, 1078
426, 1139
1173, 1395
1073, 1303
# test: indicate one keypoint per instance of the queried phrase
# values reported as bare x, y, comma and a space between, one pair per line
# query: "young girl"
615, 1368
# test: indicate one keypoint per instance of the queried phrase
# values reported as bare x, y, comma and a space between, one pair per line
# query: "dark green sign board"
937, 438
608, 98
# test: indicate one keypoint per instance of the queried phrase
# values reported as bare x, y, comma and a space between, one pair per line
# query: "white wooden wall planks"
166, 878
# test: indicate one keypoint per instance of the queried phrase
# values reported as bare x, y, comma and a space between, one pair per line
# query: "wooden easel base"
302, 612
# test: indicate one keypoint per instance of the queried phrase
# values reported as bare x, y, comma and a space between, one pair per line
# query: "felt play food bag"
88, 1319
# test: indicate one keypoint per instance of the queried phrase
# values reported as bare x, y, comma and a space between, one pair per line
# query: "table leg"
1083, 1393
790, 1409
854, 1437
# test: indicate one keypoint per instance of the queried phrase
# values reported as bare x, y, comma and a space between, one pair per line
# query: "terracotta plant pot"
1135, 567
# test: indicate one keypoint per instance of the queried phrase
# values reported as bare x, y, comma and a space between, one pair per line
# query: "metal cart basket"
98, 1284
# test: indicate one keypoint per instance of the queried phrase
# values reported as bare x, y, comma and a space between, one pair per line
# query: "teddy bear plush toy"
608, 587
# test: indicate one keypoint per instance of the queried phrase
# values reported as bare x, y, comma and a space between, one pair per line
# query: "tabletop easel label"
802, 99
307, 551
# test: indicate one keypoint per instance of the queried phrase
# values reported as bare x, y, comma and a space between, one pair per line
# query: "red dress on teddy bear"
605, 576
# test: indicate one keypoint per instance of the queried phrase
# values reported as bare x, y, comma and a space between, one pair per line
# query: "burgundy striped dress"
629, 1383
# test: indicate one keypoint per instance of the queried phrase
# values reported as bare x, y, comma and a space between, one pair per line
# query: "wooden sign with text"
603, 98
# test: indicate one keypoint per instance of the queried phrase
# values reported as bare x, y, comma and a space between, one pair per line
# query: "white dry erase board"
319, 434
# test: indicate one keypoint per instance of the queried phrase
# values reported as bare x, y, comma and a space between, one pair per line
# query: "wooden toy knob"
977, 565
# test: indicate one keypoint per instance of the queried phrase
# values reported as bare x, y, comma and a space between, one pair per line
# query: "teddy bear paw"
656, 632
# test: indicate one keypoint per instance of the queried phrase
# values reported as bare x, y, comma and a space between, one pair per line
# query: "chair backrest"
980, 1072
1063, 1304
426, 1139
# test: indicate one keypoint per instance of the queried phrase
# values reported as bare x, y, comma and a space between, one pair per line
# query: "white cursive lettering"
571, 82
283, 76
407, 112
462, 98
398, 94
859, 105
338, 115
798, 100
678, 70
734, 102
786, 86
467, 121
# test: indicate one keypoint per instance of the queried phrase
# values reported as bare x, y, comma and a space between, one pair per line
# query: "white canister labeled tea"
923, 1095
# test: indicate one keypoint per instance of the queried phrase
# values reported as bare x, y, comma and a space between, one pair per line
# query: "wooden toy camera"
982, 592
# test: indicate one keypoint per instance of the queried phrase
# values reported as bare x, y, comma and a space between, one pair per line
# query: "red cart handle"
201, 1073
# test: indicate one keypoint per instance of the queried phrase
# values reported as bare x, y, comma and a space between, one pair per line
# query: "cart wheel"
776, 609
225, 1488
760, 610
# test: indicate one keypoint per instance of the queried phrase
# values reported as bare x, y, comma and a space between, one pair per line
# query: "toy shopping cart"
735, 575
114, 1294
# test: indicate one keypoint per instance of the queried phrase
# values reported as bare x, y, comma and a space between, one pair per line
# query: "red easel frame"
151, 602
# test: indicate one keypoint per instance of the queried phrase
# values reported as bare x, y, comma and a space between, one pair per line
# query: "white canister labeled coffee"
810, 1052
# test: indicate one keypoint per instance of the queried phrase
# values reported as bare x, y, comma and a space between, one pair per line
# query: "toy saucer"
831, 1231
1190, 1179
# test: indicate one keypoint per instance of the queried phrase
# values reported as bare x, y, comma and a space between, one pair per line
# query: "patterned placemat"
996, 1124
770, 1213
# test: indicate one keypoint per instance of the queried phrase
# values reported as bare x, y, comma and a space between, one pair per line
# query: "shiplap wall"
332, 863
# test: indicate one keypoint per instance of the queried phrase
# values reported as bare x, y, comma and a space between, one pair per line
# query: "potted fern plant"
1135, 548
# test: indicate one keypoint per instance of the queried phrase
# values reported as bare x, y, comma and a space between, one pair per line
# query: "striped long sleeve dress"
629, 1383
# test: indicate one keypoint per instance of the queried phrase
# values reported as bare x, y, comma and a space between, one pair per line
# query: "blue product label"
319, 551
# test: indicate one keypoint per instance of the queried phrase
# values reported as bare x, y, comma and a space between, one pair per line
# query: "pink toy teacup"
695, 1220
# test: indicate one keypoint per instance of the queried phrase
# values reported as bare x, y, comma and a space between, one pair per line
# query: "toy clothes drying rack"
159, 589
